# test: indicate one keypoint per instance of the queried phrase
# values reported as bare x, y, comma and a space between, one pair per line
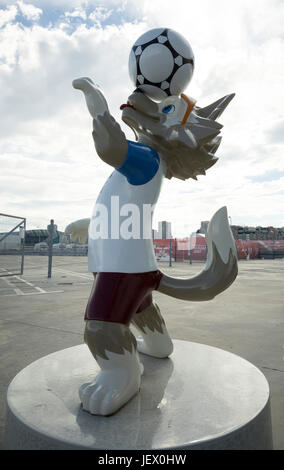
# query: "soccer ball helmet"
161, 63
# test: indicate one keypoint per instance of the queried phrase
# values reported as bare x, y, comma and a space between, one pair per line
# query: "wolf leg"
154, 340
115, 350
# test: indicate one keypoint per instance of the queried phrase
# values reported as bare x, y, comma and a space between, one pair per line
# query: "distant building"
35, 236
164, 230
257, 233
245, 232
31, 238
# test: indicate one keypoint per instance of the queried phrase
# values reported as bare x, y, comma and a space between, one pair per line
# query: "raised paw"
159, 346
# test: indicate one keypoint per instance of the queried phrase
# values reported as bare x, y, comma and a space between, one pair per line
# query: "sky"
48, 165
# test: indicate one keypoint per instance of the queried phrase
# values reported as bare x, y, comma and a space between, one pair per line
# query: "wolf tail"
221, 268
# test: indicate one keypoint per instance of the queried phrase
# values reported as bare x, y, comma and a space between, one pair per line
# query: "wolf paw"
160, 346
109, 391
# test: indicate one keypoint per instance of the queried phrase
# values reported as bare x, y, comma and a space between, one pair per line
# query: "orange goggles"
190, 105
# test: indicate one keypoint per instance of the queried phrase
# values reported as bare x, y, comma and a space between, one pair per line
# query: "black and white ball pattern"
161, 63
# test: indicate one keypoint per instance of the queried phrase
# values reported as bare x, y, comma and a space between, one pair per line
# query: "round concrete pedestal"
200, 398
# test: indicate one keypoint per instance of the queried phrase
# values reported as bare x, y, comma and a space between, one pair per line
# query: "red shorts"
116, 297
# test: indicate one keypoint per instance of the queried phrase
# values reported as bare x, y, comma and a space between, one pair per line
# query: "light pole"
51, 234
190, 250
22, 232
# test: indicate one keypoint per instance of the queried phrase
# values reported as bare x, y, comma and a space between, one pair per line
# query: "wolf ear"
214, 110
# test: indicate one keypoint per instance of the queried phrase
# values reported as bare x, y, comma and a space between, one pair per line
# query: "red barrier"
251, 249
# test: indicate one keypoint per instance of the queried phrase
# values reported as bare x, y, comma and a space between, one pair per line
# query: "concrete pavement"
39, 316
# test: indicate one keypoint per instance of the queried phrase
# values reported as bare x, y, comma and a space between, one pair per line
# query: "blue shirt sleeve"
141, 163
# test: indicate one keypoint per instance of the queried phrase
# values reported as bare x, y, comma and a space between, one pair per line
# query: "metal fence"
58, 249
12, 240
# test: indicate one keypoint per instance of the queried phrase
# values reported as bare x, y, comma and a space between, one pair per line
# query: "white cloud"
77, 13
29, 11
49, 167
100, 14
8, 15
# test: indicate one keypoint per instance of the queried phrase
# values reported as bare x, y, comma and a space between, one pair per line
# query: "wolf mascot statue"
174, 138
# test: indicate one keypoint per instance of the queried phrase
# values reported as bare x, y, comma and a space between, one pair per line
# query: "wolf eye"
168, 109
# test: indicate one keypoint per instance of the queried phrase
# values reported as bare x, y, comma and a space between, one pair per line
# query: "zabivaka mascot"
174, 138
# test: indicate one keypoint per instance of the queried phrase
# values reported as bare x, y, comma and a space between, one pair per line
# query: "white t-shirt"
120, 231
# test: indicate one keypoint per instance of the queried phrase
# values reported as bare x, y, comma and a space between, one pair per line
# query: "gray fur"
188, 150
203, 134
207, 284
102, 337
149, 318
110, 141
213, 146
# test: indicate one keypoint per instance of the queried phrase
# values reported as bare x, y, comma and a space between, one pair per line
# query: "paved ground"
39, 316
